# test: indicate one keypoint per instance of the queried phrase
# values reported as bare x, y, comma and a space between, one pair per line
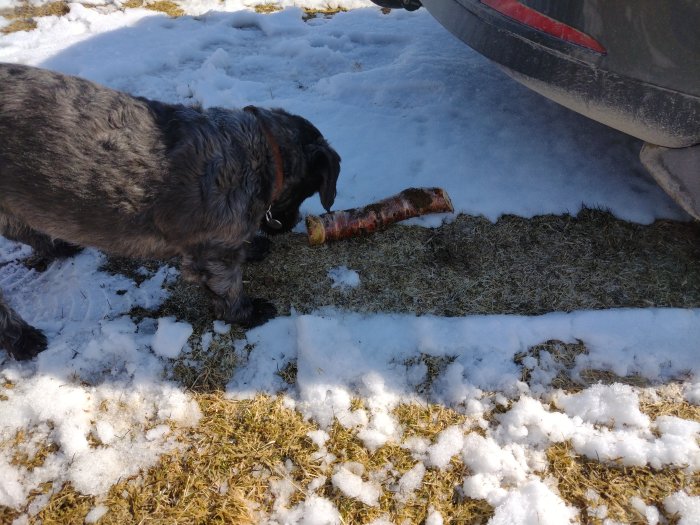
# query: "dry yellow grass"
27, 10
66, 507
426, 421
223, 467
163, 6
668, 401
30, 458
564, 355
266, 9
272, 7
227, 465
439, 490
19, 25
229, 462
24, 17
327, 11
615, 486
28, 453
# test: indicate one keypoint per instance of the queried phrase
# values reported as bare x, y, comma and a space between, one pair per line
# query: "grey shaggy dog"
84, 165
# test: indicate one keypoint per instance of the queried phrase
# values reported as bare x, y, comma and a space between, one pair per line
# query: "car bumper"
573, 76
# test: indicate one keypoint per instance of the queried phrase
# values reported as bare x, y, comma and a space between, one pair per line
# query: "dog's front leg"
258, 249
220, 273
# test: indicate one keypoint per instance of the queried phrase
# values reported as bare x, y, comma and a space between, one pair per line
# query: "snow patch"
96, 382
687, 507
533, 504
348, 479
96, 513
343, 277
171, 336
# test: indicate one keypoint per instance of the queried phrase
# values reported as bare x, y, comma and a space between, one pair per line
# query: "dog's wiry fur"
84, 165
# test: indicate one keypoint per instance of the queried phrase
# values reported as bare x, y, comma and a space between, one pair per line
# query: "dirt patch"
473, 266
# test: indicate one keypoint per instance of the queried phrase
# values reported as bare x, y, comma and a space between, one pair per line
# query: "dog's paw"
247, 312
62, 249
255, 313
38, 263
262, 312
25, 344
258, 249
44, 255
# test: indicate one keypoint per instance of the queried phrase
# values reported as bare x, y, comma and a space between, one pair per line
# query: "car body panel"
653, 41
646, 84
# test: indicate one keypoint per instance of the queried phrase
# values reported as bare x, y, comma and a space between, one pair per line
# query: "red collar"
276, 154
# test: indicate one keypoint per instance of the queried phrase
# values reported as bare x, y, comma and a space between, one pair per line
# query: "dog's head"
309, 165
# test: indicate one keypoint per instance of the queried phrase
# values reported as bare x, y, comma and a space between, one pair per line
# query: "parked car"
631, 64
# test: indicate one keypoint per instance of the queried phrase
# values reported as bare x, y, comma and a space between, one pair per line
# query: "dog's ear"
324, 165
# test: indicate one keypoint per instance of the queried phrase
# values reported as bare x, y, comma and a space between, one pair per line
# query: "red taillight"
528, 16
